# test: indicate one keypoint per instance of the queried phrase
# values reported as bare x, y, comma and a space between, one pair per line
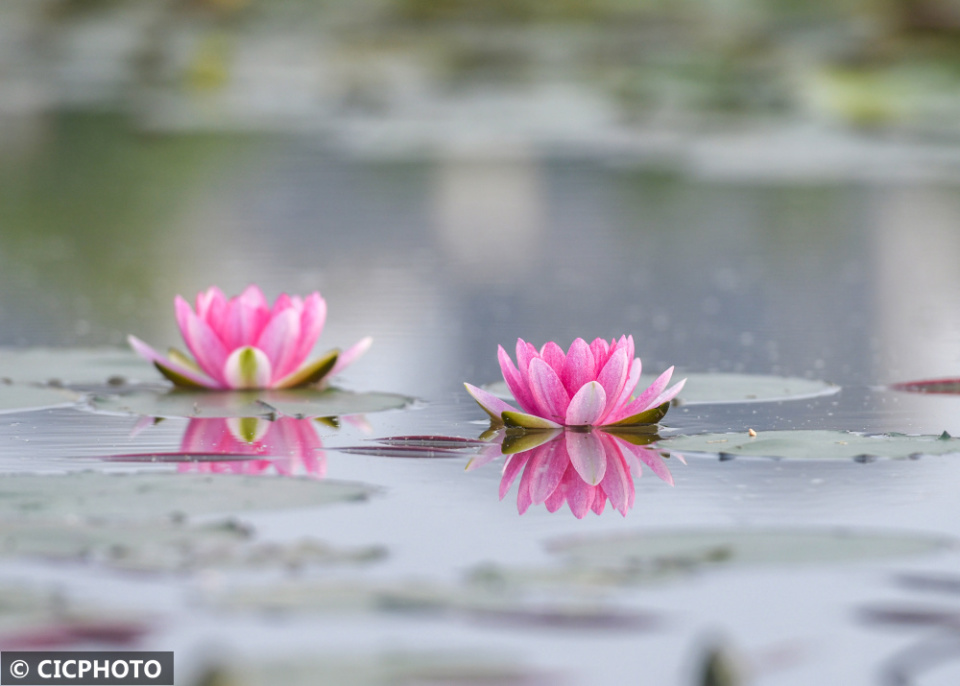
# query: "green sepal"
520, 441
522, 420
178, 379
332, 422
311, 373
184, 360
641, 434
651, 416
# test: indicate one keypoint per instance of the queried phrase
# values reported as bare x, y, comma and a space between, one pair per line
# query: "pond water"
401, 554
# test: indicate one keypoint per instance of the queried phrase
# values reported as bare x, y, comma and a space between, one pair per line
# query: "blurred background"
744, 185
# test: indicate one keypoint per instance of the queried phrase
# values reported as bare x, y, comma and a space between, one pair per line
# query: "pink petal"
245, 318
206, 346
525, 354
546, 470
552, 354
587, 405
549, 394
280, 341
580, 494
493, 405
312, 317
515, 382
601, 351
644, 401
669, 394
212, 298
586, 455
599, 501
649, 457
633, 377
579, 366
617, 483
511, 469
148, 353
613, 377
350, 355
487, 454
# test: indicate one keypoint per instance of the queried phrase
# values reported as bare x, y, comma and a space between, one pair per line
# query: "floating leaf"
18, 398
734, 547
165, 546
299, 403
75, 366
94, 495
815, 445
471, 602
715, 388
377, 670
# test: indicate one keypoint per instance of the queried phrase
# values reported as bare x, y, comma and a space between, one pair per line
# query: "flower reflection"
583, 469
288, 445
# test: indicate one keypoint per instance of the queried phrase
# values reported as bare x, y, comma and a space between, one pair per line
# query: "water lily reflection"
583, 469
288, 445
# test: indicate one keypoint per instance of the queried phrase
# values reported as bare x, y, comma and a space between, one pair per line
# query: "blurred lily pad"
702, 389
166, 546
143, 496
19, 398
698, 549
376, 670
471, 602
813, 445
300, 403
650, 557
69, 366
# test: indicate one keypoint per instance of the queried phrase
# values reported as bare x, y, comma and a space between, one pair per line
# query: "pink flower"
583, 469
244, 343
591, 385
288, 445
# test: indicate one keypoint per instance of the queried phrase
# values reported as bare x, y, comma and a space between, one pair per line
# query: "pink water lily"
243, 342
589, 385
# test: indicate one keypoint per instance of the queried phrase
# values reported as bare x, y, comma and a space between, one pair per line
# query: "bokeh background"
745, 185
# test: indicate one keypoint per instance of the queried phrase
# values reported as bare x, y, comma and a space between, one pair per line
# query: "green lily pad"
300, 403
702, 389
146, 496
813, 445
158, 546
75, 366
19, 398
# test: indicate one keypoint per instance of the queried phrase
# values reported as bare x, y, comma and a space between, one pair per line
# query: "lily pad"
650, 557
573, 611
376, 670
813, 445
166, 546
94, 495
299, 403
74, 366
20, 398
716, 388
697, 549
